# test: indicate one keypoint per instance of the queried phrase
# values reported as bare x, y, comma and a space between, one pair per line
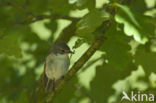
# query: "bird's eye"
63, 51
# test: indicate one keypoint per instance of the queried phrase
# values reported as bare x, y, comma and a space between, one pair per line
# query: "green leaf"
106, 76
9, 45
117, 48
7, 17
138, 6
22, 98
146, 59
61, 6
36, 6
91, 21
135, 24
68, 93
52, 25
82, 4
78, 43
6, 72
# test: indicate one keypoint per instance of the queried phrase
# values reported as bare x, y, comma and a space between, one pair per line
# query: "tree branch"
97, 43
67, 32
53, 16
33, 17
92, 62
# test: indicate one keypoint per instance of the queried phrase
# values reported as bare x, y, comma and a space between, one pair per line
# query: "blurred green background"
126, 61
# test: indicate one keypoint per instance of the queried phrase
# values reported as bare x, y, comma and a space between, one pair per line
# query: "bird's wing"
45, 79
67, 63
48, 83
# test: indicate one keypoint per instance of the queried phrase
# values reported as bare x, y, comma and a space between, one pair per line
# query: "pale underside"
56, 66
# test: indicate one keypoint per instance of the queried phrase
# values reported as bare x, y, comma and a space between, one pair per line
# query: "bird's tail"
49, 84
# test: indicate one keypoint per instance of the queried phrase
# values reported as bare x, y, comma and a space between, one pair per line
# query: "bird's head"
61, 48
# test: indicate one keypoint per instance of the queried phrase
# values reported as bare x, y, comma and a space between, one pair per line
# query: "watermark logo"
140, 97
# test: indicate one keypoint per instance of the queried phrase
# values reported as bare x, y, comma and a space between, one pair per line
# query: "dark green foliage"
129, 42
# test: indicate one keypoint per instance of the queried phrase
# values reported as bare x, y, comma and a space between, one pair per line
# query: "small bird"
56, 65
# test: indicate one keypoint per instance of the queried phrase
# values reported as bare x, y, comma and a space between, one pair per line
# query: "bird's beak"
71, 52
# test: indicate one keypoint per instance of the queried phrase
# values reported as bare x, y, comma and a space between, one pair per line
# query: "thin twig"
67, 32
35, 17
92, 62
53, 16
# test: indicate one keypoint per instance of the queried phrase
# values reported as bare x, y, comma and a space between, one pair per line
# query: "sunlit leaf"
91, 21
81, 4
135, 24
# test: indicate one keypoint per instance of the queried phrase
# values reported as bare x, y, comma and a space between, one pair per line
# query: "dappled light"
113, 44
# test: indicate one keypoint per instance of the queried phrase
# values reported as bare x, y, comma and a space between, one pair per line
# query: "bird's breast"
57, 66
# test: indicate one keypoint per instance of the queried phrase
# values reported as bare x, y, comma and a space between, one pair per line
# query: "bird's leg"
53, 85
62, 77
47, 85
